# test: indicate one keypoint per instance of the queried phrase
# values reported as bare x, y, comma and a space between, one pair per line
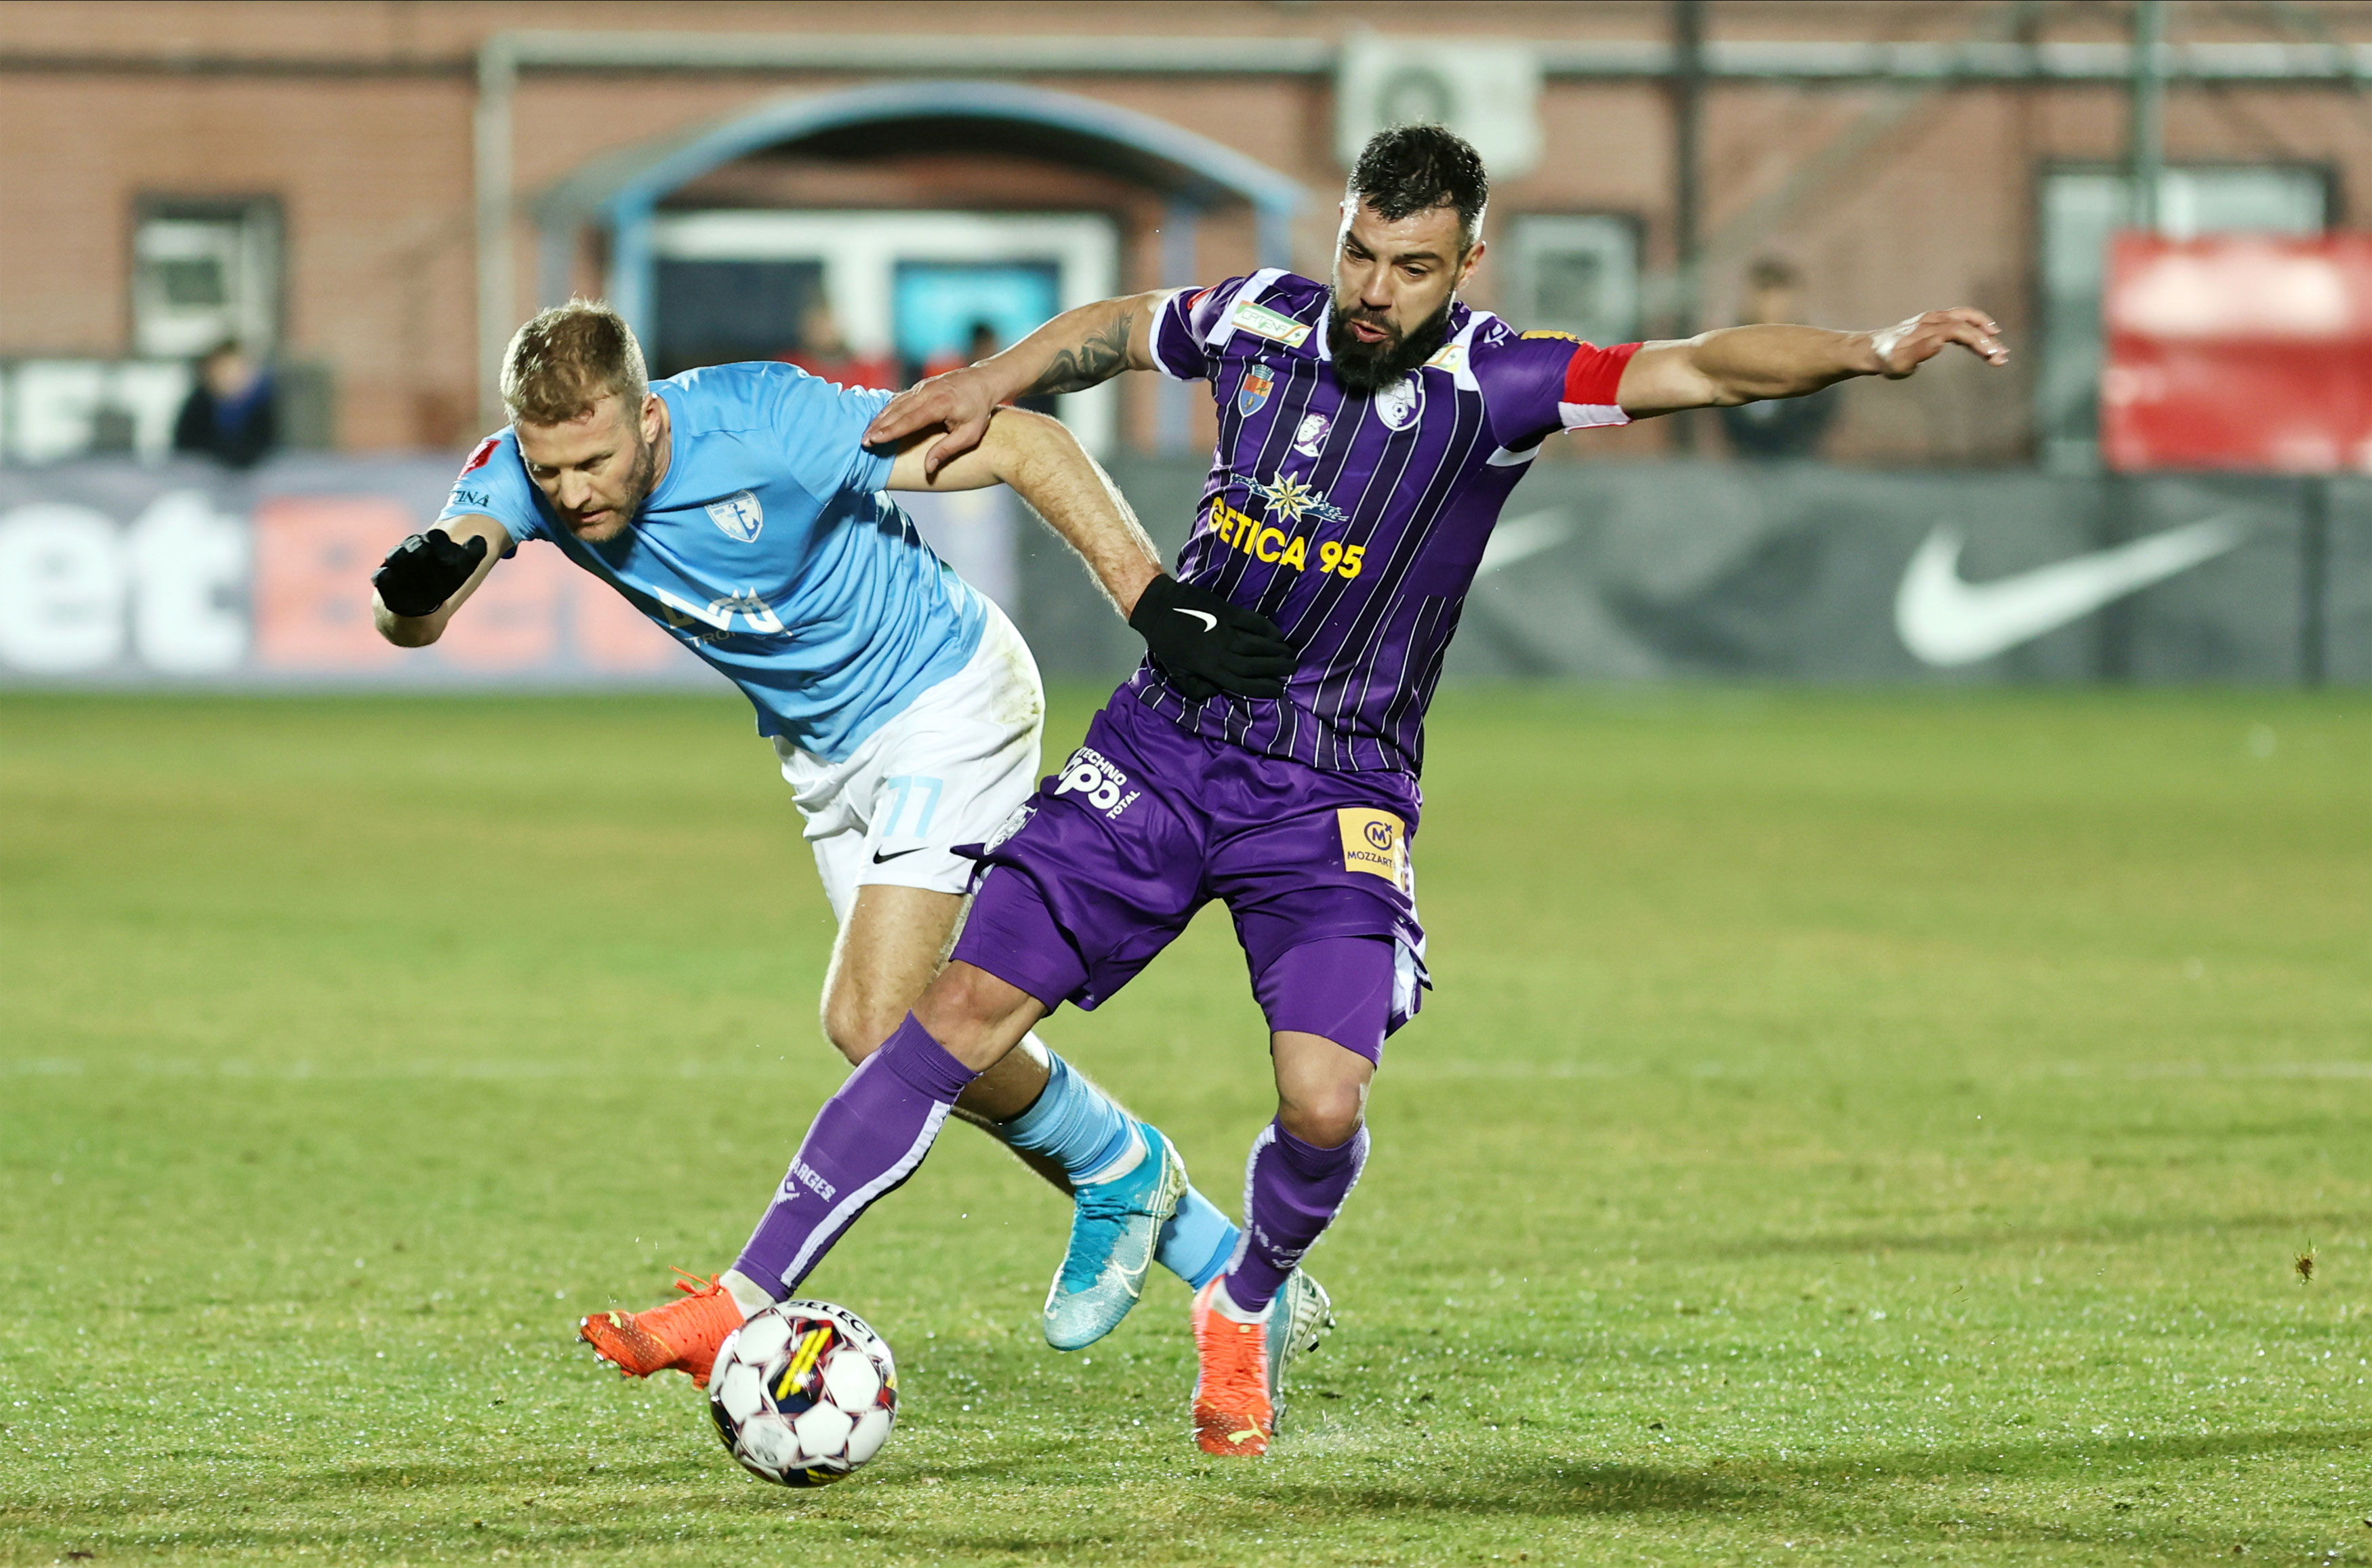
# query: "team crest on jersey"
1399, 404
1257, 384
739, 516
1311, 435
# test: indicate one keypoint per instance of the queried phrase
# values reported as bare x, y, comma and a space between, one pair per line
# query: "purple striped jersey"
1356, 523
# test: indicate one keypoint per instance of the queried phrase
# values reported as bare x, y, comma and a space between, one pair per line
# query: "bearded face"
1395, 280
1370, 352
597, 469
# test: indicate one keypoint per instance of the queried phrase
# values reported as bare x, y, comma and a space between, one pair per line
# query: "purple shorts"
1147, 823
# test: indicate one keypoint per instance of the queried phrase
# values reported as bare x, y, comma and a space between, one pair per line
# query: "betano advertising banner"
119, 574
116, 572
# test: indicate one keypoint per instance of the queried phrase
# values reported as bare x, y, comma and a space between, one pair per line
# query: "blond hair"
568, 358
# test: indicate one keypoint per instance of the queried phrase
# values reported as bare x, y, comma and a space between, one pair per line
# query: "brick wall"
357, 117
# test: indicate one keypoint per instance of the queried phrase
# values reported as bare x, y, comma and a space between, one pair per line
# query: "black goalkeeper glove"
422, 573
1206, 645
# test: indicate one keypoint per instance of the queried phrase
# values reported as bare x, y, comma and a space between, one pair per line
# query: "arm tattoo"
1093, 362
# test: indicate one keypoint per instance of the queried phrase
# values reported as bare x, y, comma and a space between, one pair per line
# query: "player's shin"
1293, 1190
1079, 1129
867, 1139
1198, 1240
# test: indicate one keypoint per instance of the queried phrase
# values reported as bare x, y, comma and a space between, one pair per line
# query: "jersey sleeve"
1538, 383
493, 484
821, 428
1182, 336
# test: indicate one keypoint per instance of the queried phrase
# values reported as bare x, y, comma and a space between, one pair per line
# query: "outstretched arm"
1741, 365
1047, 467
1207, 645
1077, 349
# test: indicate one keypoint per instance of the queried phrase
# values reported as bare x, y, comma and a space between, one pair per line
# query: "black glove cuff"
1156, 596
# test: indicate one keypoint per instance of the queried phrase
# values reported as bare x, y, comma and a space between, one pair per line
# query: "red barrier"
2246, 353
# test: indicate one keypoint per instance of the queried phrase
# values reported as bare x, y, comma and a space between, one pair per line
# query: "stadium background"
374, 195
1863, 1117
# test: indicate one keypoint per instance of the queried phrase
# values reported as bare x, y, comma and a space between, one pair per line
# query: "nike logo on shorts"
880, 859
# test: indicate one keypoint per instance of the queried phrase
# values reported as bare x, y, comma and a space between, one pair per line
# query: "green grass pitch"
1851, 1128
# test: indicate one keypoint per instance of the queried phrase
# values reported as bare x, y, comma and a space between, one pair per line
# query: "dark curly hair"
1413, 168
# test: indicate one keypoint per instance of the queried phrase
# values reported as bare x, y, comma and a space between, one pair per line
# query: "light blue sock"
1074, 1124
1197, 1242
1078, 1127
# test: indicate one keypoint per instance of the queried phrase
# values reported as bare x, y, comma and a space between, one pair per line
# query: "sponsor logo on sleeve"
475, 499
1373, 842
1104, 786
737, 517
1561, 337
1261, 322
1254, 389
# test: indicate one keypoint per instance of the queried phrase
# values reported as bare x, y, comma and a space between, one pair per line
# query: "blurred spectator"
985, 343
1777, 428
229, 415
823, 351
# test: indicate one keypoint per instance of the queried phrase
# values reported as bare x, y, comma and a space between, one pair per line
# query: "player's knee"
855, 1029
967, 1005
1328, 1116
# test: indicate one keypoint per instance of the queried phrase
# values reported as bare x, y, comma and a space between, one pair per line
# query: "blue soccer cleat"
1115, 1226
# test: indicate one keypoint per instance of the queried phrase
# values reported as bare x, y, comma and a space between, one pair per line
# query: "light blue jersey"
772, 549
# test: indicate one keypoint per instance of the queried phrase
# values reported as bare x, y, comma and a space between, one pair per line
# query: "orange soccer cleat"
1233, 1415
684, 1333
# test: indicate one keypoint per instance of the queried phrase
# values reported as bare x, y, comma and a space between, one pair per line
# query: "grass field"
1849, 1128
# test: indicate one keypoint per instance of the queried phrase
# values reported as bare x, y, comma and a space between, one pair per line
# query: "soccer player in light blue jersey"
738, 507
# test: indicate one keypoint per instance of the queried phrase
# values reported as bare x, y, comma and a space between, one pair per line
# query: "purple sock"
866, 1142
1292, 1193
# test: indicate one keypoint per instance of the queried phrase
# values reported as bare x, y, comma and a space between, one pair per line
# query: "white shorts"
946, 772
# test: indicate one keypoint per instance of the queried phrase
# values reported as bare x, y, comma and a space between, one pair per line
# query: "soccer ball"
803, 1393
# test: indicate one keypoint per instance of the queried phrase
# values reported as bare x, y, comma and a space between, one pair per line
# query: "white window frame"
860, 250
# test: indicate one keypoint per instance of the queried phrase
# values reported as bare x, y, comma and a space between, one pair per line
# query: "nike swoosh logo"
880, 859
1210, 622
1520, 537
1945, 620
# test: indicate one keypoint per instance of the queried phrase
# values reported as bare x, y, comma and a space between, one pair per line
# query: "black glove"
1206, 645
422, 573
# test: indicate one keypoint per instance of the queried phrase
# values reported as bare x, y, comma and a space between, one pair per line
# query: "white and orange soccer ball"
803, 1393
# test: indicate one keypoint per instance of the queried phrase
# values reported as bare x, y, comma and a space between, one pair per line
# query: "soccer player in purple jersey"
1369, 433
